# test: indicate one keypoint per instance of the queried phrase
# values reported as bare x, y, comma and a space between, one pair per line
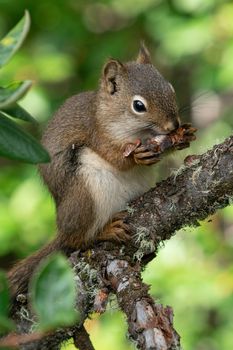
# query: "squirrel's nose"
172, 125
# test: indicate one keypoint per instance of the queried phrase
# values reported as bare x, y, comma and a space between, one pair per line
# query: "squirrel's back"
67, 132
71, 123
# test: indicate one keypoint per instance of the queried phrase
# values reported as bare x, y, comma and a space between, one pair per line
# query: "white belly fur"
110, 188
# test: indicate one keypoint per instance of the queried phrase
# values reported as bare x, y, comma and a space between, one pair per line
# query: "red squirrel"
90, 176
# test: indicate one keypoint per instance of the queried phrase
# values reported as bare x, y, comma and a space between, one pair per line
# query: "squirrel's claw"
145, 156
117, 230
131, 147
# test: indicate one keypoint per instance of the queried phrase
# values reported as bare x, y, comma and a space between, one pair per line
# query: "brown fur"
21, 272
88, 176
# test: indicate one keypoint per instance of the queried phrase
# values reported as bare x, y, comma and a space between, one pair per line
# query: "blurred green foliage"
6, 325
15, 143
53, 293
191, 42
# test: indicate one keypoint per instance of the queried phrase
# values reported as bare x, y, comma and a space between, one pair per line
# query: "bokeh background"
191, 42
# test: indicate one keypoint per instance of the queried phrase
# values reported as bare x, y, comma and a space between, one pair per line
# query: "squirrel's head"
135, 100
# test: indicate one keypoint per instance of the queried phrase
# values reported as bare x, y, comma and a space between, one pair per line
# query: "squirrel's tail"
21, 273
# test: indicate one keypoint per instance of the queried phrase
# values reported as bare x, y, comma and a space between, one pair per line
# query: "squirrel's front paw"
145, 156
116, 230
142, 154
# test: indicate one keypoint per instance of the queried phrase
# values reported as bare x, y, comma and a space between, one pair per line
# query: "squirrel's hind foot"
116, 230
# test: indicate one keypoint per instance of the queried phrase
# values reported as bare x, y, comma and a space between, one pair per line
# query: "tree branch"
82, 340
200, 187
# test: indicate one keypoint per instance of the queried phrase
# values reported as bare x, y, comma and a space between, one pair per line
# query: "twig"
82, 339
14, 340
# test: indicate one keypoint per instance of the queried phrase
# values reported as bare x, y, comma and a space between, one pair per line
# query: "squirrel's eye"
139, 106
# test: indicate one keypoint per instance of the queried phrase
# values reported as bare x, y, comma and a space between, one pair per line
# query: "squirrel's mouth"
155, 131
151, 132
168, 127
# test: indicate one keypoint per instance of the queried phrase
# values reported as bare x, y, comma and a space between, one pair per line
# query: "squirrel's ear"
110, 72
143, 55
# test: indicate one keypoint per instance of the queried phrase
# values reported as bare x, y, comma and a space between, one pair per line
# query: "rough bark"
200, 187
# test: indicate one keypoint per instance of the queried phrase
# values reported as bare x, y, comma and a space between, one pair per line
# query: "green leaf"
16, 111
13, 40
53, 293
17, 144
13, 92
5, 323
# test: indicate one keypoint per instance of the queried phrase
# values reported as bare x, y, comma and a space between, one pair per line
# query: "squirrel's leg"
145, 156
116, 230
76, 215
